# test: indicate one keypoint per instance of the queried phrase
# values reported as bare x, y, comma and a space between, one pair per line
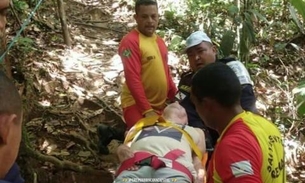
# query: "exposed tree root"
62, 164
104, 105
81, 140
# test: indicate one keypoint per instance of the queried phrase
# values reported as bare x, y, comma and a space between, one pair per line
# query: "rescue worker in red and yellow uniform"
250, 148
144, 56
148, 83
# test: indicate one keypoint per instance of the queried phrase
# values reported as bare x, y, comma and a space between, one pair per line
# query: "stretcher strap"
147, 159
159, 121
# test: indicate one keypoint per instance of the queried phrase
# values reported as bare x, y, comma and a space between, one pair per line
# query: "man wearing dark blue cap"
200, 52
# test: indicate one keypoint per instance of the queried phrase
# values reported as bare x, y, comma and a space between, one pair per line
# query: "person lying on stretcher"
167, 151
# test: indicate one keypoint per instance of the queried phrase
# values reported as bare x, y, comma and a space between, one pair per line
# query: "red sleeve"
238, 159
129, 52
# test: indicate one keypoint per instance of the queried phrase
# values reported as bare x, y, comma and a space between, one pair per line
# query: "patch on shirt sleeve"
126, 53
242, 168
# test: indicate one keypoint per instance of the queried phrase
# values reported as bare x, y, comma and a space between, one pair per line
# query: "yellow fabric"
270, 141
216, 177
272, 149
159, 121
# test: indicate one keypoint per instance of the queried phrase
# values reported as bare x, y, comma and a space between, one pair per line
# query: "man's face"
4, 4
147, 19
204, 110
201, 55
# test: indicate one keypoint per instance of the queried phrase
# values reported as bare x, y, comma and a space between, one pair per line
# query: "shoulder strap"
187, 136
142, 123
157, 120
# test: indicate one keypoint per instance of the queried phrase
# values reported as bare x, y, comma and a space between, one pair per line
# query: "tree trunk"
63, 20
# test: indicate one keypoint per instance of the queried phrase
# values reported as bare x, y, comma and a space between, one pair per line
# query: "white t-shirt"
241, 72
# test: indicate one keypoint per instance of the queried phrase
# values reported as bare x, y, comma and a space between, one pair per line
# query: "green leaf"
161, 33
300, 89
169, 14
300, 6
260, 16
175, 42
280, 46
227, 43
243, 47
21, 5
252, 65
301, 109
266, 58
25, 40
299, 94
295, 18
248, 31
232, 10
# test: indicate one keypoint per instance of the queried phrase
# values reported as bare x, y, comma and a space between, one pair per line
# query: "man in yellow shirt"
145, 60
148, 80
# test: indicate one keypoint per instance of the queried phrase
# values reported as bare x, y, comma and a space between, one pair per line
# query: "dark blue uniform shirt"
13, 176
248, 100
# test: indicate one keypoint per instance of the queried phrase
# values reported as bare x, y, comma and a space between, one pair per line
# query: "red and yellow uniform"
250, 150
148, 81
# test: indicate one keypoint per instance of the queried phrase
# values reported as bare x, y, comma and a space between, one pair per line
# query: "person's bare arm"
124, 152
199, 167
200, 170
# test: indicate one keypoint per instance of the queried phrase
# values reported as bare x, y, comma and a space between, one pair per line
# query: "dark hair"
219, 82
10, 100
145, 3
